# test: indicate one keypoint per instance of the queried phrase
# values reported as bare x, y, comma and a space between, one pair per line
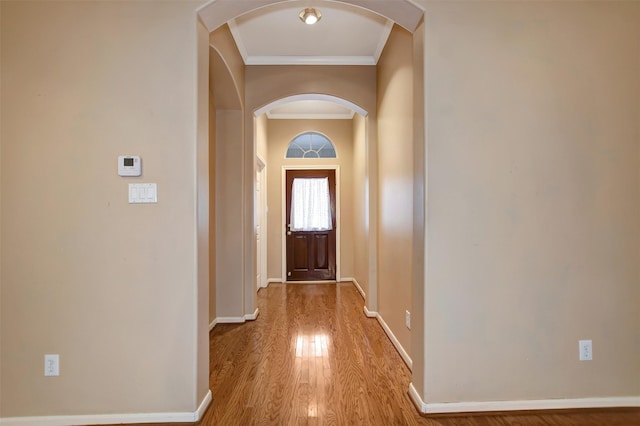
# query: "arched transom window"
311, 145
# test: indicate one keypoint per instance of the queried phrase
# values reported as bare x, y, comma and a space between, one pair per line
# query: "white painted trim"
213, 323
311, 97
416, 399
230, 320
523, 405
338, 224
253, 316
238, 320
370, 314
394, 340
405, 356
383, 40
101, 419
261, 249
310, 116
274, 280
203, 405
283, 194
215, 13
357, 285
283, 214
310, 60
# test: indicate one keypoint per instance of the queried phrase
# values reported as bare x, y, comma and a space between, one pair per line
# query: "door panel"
301, 253
321, 251
311, 255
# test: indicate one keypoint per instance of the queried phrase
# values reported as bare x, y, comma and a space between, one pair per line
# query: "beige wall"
229, 264
261, 136
227, 70
420, 200
534, 199
203, 216
212, 209
395, 183
360, 205
533, 189
109, 286
227, 88
280, 133
267, 84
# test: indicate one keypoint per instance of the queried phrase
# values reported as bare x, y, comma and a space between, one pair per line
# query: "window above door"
311, 145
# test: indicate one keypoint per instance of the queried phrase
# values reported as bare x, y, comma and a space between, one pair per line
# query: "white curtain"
310, 205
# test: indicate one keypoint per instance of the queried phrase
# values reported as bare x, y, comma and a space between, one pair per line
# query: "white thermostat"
129, 165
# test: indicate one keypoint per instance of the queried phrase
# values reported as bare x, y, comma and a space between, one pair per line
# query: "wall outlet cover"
585, 349
52, 365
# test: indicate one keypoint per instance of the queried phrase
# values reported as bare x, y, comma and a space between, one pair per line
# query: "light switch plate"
143, 193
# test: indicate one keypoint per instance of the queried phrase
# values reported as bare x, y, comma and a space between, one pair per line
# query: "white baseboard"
237, 320
102, 419
203, 405
416, 399
274, 280
213, 323
396, 343
405, 356
253, 316
523, 405
357, 284
370, 314
229, 320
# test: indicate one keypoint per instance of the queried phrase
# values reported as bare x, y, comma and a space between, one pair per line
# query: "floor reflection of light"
317, 345
312, 411
313, 367
299, 344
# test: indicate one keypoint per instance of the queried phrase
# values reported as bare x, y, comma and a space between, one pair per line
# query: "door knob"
288, 232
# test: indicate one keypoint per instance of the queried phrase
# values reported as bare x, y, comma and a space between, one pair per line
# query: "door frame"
284, 215
261, 249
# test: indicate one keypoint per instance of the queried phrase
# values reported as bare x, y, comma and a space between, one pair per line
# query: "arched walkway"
353, 87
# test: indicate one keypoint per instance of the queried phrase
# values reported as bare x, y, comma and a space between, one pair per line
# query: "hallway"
312, 357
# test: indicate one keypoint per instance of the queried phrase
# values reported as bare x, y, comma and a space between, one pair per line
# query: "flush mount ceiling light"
310, 16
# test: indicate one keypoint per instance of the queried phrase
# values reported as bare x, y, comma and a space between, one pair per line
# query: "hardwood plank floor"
313, 358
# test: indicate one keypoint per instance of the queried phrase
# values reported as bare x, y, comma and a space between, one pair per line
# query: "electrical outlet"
52, 365
407, 319
585, 350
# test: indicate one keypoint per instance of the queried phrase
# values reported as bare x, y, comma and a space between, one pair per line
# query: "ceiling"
310, 109
345, 35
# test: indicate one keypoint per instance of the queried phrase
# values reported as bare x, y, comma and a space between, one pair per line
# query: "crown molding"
310, 60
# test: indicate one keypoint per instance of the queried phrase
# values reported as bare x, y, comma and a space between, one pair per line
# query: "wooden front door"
311, 252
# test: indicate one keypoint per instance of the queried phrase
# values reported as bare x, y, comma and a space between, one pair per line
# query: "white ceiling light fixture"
310, 15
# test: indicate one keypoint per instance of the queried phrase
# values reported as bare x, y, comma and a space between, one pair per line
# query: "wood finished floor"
313, 358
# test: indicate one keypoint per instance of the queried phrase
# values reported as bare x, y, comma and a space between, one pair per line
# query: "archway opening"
289, 85
345, 124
